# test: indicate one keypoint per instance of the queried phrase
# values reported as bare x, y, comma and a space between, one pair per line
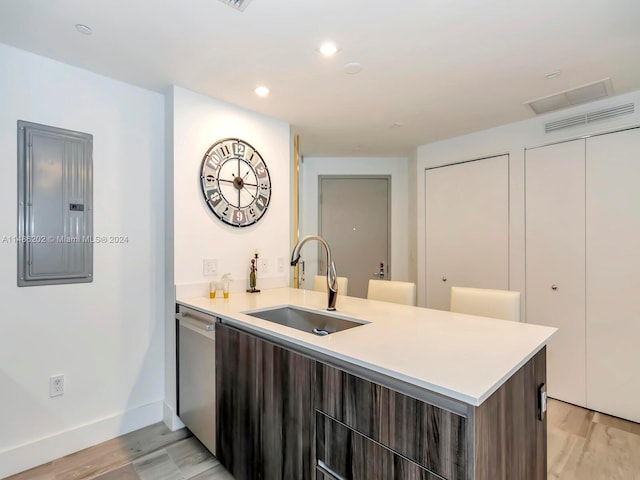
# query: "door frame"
388, 178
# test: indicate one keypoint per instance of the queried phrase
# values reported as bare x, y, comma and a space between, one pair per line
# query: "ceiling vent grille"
570, 98
590, 117
237, 4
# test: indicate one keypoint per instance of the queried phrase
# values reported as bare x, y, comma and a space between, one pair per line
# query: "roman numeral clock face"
235, 182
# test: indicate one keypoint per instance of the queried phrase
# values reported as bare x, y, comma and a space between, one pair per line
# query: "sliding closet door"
555, 261
613, 274
467, 227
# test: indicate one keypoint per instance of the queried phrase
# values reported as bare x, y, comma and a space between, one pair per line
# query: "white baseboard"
170, 418
43, 450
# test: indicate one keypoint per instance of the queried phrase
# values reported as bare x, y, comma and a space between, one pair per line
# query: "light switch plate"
210, 267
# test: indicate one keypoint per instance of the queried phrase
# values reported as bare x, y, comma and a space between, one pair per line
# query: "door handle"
382, 270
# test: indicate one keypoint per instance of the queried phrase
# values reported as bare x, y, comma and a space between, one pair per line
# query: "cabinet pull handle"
554, 287
444, 279
324, 468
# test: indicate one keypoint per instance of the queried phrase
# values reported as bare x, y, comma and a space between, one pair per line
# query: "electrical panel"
55, 208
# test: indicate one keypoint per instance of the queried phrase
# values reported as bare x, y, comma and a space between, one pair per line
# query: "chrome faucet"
332, 276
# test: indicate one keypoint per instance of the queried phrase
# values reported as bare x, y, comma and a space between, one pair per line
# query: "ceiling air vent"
590, 117
569, 98
237, 4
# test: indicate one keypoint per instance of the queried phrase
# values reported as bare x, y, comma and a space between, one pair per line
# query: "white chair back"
485, 302
392, 291
320, 284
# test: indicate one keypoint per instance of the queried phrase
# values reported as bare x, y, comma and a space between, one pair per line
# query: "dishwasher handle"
194, 322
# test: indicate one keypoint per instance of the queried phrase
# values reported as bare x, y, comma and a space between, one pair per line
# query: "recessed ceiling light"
328, 49
83, 29
352, 68
262, 91
553, 74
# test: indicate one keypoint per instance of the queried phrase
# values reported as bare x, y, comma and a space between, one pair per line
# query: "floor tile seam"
621, 432
203, 454
629, 427
128, 459
555, 429
131, 462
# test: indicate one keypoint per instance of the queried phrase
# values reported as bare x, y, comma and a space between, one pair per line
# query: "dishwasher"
196, 370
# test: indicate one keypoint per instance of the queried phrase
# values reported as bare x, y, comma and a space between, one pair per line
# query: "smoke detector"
237, 4
569, 98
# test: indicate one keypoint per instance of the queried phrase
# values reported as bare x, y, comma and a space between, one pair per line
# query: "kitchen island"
413, 392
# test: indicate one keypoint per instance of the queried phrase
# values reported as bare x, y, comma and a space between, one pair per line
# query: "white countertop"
460, 356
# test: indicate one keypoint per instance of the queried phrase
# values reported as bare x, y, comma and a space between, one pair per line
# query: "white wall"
106, 337
199, 121
511, 139
412, 210
397, 168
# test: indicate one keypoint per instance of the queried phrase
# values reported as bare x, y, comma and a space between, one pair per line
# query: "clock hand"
254, 197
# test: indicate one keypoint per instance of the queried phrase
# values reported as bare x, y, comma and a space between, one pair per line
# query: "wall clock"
235, 182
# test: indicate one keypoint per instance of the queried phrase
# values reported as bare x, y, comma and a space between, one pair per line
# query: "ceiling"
432, 69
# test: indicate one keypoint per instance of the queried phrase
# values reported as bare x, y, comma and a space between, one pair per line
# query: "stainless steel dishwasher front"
197, 374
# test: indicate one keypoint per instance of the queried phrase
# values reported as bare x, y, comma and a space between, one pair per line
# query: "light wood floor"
582, 445
586, 445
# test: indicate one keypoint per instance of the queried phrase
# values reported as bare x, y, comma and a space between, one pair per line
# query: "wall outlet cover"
56, 385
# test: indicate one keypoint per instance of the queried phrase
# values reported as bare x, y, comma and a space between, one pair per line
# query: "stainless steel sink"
306, 320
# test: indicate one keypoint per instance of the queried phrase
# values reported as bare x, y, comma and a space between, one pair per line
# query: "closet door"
467, 227
613, 274
555, 261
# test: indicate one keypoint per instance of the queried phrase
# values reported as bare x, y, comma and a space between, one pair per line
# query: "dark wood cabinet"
428, 435
284, 416
345, 453
509, 439
265, 408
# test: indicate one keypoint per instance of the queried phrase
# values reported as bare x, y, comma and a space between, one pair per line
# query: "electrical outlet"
210, 267
56, 385
280, 264
264, 265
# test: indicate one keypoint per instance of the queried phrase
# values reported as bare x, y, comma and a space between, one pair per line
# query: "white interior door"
467, 227
613, 274
555, 261
354, 219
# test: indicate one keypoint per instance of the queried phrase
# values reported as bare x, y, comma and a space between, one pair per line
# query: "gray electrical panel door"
55, 221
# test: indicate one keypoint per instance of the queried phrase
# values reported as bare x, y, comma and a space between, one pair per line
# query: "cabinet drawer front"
346, 454
428, 435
